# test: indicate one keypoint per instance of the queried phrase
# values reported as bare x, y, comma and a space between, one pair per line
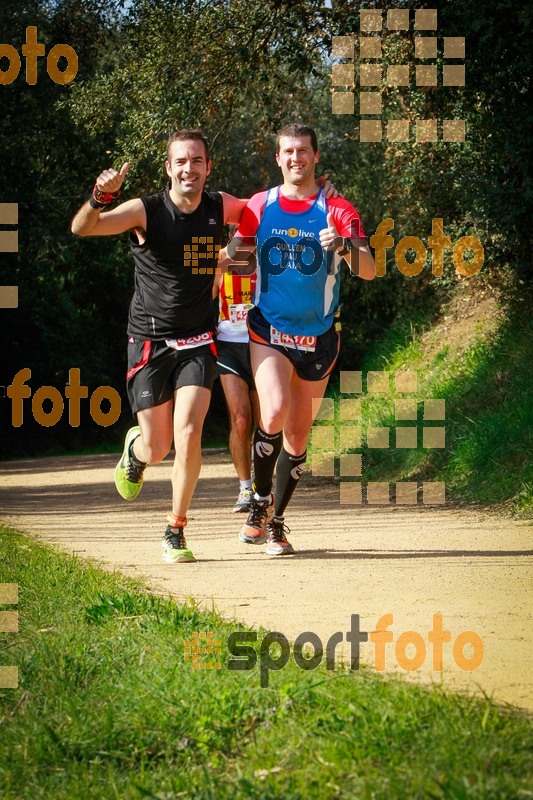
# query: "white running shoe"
244, 501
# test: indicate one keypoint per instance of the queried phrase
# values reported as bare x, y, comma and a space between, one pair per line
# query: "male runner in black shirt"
171, 352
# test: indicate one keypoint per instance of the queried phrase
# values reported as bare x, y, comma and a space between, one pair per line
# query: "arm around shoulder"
358, 254
236, 258
233, 208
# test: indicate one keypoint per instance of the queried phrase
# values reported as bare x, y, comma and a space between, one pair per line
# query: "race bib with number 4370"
307, 343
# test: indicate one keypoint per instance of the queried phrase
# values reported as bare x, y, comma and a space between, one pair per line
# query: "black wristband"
94, 204
102, 199
345, 248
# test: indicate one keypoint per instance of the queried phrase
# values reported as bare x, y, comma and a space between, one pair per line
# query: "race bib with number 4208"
190, 341
307, 343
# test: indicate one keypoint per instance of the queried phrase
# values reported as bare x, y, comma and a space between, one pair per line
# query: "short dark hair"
187, 135
296, 129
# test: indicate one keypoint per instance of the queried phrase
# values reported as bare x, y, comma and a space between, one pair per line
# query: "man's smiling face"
187, 168
297, 159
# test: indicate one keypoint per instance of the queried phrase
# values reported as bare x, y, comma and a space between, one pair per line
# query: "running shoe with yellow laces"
175, 550
277, 544
254, 530
129, 470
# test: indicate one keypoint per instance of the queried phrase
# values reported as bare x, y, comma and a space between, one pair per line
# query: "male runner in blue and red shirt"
300, 238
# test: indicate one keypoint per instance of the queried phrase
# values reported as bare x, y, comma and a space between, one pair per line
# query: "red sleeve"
346, 217
251, 216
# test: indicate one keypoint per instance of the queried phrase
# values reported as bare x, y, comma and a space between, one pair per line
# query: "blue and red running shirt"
297, 287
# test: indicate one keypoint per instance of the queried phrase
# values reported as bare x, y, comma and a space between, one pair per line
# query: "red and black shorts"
156, 370
313, 358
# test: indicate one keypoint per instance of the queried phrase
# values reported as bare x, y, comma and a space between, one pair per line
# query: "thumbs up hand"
329, 238
110, 180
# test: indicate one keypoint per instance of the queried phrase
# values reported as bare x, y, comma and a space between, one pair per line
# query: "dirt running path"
474, 568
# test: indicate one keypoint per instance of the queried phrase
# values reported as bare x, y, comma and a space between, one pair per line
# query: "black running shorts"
312, 364
234, 359
155, 370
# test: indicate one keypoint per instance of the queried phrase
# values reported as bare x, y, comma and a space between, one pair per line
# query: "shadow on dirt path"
473, 567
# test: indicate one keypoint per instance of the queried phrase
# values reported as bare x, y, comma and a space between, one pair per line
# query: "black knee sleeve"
266, 449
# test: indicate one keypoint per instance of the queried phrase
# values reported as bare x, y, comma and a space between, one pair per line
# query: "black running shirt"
173, 293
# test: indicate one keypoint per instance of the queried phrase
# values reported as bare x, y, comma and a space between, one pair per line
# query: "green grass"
488, 391
108, 708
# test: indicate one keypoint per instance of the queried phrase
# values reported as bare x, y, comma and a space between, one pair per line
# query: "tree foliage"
240, 69
209, 64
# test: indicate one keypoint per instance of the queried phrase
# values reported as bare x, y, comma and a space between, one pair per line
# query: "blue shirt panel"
297, 285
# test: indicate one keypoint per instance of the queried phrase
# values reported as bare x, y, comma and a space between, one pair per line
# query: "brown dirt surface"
472, 566
468, 317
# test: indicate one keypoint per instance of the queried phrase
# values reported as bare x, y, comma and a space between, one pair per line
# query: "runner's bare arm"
237, 258
217, 283
361, 261
240, 249
91, 221
233, 208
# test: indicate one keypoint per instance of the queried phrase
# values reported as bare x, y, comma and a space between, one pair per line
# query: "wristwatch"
345, 248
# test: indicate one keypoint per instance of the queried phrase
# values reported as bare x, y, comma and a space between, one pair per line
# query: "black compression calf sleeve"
288, 473
266, 449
